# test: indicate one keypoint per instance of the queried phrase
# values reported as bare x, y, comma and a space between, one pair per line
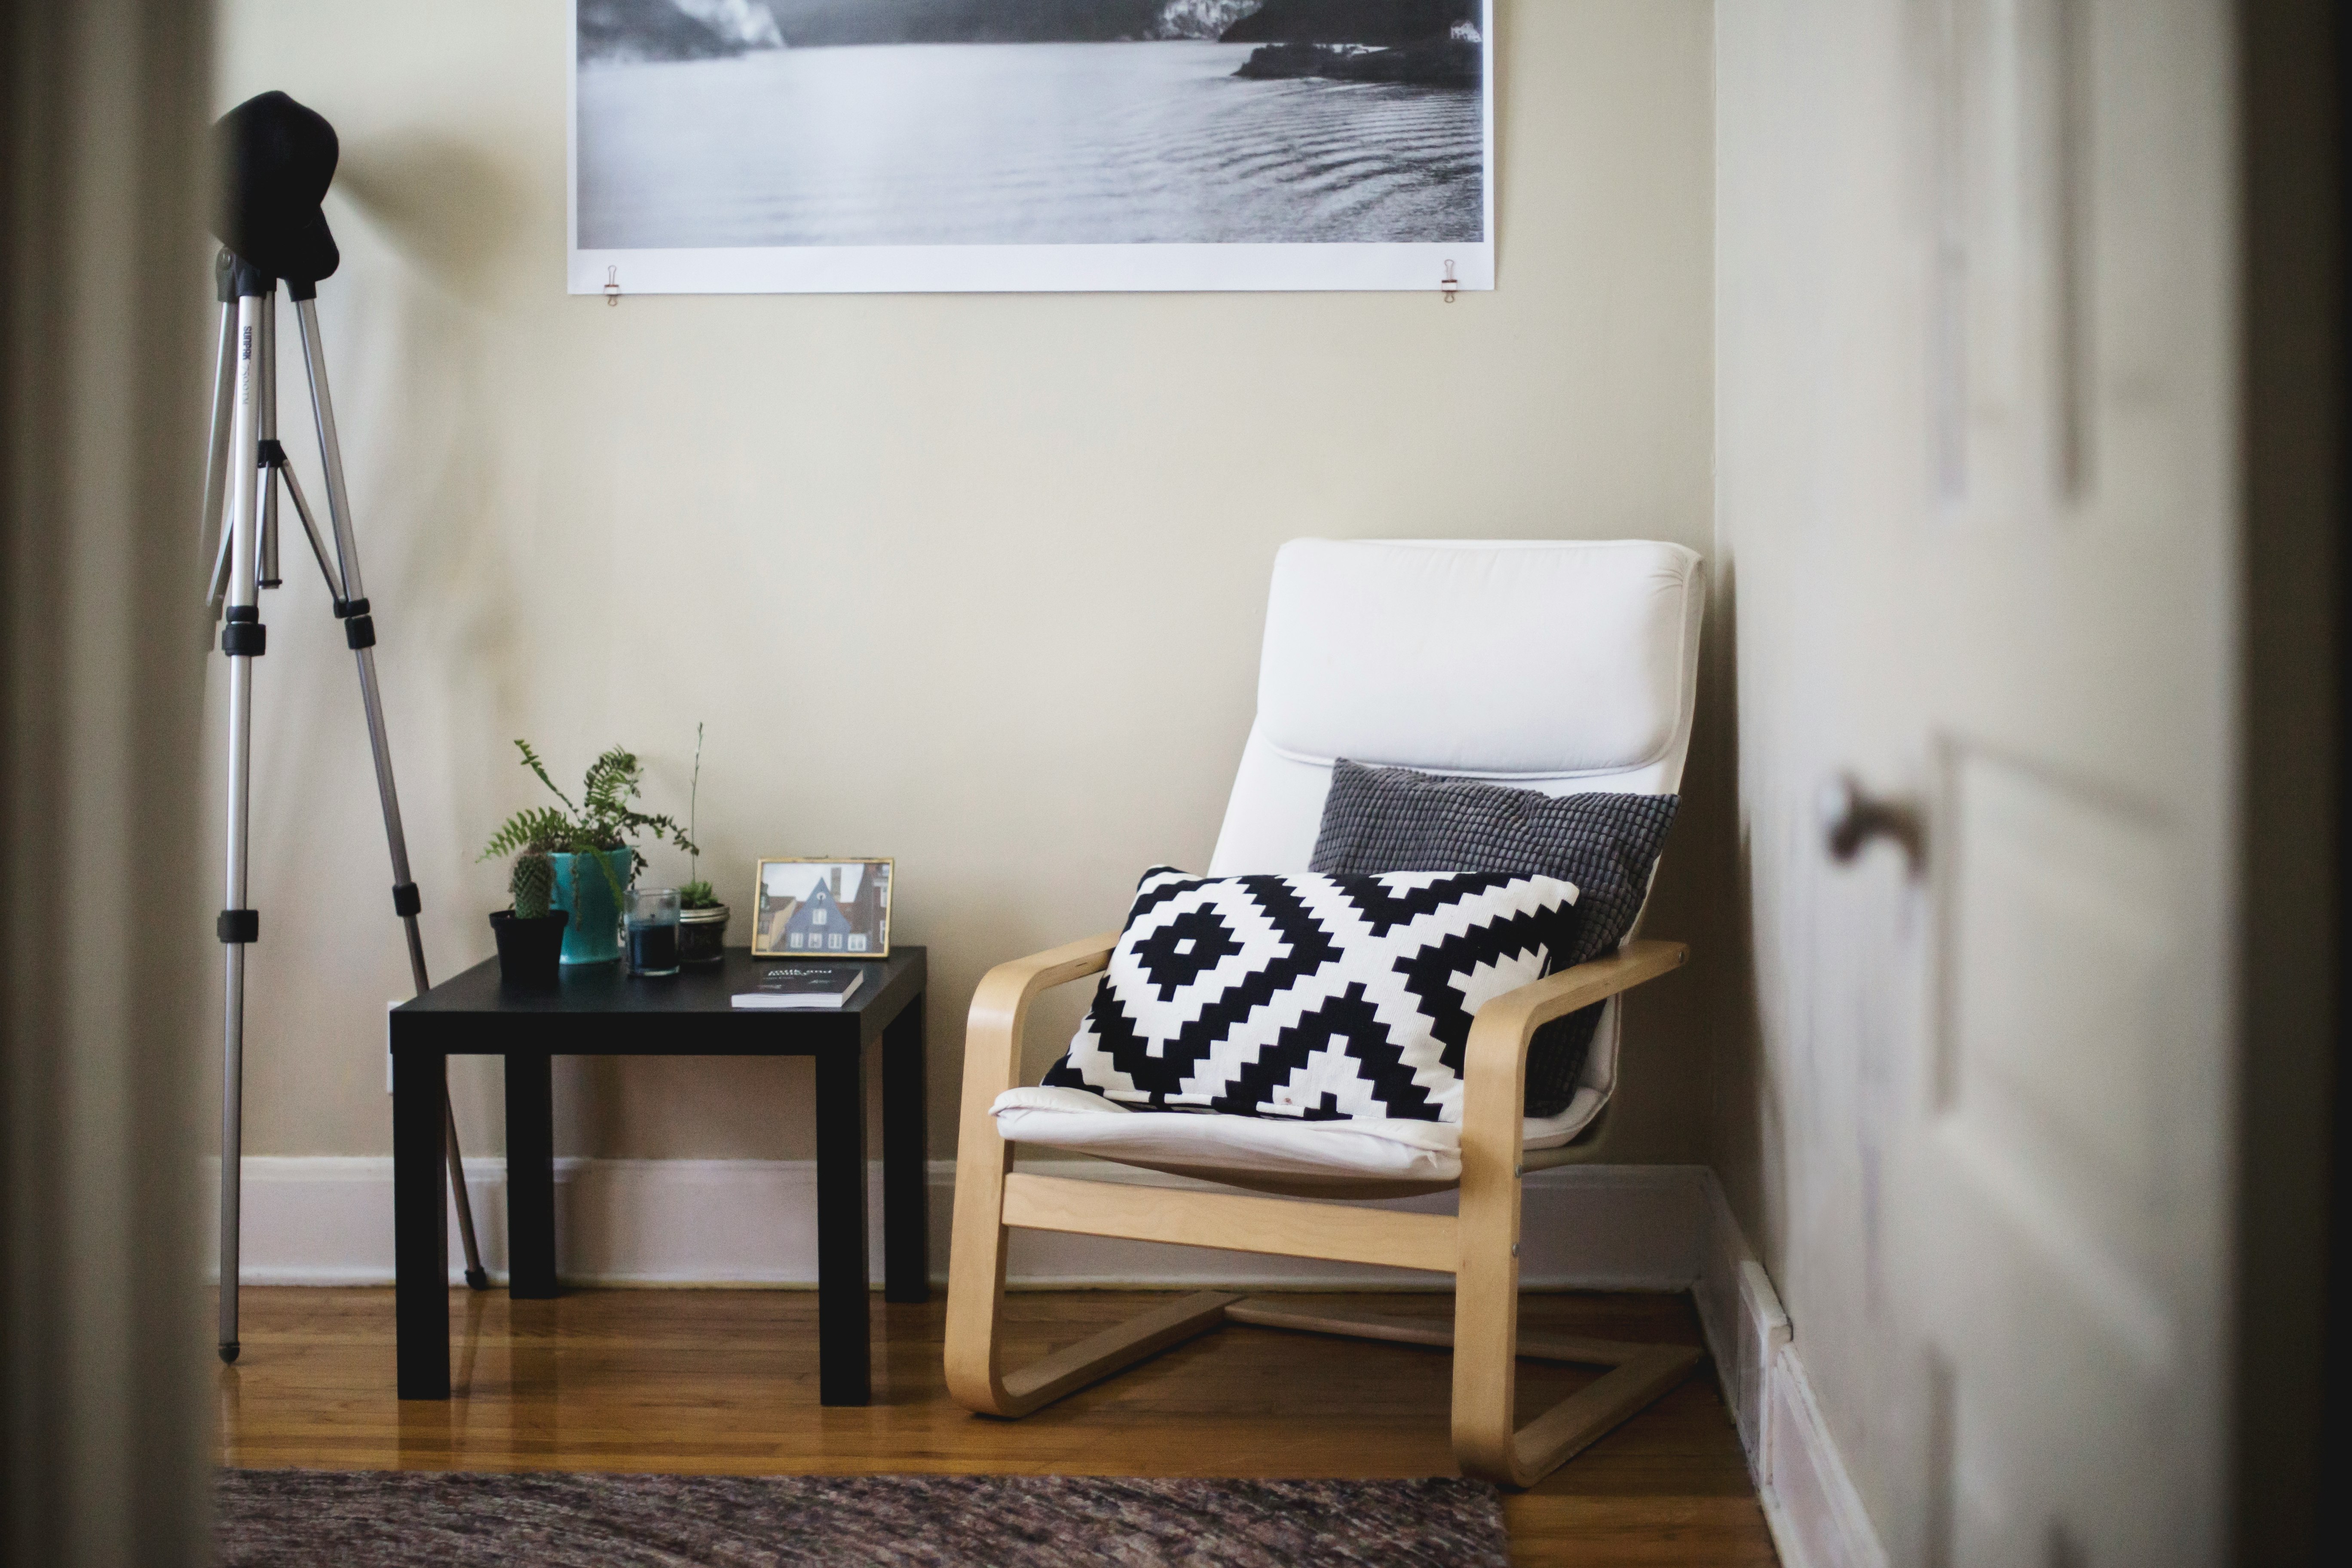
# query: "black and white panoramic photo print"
705, 125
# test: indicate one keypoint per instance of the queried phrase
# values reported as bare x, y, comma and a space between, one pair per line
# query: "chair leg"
975, 1346
976, 1286
1486, 1313
1638, 1374
1561, 1432
1488, 1443
1112, 1351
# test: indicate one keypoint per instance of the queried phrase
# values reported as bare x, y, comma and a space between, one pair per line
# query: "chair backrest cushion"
1563, 666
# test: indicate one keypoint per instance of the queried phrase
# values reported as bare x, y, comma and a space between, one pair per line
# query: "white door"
2004, 273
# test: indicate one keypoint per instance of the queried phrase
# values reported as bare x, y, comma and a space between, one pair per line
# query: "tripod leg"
233, 1036
405, 900
224, 380
242, 641
310, 526
216, 446
359, 631
219, 589
267, 570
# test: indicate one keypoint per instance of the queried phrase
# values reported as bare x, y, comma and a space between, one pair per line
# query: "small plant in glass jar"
701, 918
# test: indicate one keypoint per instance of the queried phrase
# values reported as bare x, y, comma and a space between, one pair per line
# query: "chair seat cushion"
1309, 998
1398, 1150
1379, 819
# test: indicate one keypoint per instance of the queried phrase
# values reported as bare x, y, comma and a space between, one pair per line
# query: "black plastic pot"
528, 950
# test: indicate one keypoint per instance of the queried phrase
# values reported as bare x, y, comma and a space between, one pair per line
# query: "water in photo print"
798, 122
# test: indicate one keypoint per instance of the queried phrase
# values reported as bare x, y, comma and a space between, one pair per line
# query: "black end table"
598, 1010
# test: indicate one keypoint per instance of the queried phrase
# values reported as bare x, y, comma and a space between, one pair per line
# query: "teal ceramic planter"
593, 936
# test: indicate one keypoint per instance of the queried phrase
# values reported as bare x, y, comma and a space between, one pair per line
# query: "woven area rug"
379, 1519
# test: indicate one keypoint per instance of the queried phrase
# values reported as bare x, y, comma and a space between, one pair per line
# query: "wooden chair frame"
1479, 1245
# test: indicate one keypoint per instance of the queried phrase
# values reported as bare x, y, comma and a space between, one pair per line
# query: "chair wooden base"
1638, 1375
1478, 1244
1113, 1351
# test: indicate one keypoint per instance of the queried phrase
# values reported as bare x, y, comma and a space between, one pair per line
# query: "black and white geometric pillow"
1309, 996
1379, 819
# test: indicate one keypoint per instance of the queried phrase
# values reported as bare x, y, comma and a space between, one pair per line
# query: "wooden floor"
725, 1382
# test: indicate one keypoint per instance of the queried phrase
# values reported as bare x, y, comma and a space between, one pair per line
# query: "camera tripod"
242, 476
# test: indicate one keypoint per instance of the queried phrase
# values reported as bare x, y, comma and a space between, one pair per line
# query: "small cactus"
532, 884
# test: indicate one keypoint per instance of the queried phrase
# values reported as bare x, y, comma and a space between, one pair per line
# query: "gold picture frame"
823, 906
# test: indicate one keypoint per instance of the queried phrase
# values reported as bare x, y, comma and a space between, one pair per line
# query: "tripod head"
276, 160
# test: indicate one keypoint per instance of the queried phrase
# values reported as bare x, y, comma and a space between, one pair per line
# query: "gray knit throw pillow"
1394, 819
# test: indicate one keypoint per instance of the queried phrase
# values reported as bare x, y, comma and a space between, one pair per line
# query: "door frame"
2293, 1430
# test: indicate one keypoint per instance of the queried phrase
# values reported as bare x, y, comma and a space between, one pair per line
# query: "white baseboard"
328, 1221
1740, 1312
1816, 1515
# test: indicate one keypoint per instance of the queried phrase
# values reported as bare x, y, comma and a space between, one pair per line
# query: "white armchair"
1563, 667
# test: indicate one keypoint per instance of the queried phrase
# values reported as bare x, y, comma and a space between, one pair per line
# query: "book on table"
802, 986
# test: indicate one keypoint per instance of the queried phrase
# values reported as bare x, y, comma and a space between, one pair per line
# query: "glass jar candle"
653, 931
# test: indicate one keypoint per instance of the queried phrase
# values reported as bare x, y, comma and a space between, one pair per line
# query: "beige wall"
973, 582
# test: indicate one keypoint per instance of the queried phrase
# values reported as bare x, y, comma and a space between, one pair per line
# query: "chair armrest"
1531, 1006
1000, 1014
1495, 1062
991, 1064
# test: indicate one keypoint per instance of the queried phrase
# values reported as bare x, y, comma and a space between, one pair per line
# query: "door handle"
1852, 817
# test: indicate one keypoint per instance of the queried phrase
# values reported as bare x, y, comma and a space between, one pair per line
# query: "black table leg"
530, 1178
420, 1223
842, 1324
905, 1176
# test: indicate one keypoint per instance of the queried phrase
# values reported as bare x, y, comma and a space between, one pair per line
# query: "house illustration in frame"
838, 908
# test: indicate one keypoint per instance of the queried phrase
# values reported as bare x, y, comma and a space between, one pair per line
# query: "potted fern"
588, 847
701, 918
530, 933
